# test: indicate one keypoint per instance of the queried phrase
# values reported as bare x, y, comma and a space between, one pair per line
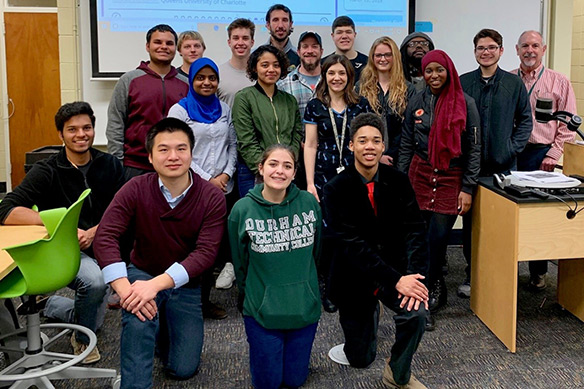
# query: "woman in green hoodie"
274, 233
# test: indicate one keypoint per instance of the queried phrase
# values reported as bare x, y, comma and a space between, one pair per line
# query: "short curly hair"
366, 119
254, 58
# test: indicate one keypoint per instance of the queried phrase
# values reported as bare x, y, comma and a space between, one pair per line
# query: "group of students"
371, 232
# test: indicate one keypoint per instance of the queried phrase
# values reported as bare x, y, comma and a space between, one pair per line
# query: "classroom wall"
577, 68
566, 56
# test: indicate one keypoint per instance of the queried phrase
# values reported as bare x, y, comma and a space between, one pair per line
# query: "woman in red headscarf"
441, 152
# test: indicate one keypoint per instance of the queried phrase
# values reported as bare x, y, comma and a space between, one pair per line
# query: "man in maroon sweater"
177, 220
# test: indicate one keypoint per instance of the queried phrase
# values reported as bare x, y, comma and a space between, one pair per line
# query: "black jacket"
506, 121
416, 129
373, 251
54, 183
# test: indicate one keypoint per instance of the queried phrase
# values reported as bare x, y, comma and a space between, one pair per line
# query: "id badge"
340, 169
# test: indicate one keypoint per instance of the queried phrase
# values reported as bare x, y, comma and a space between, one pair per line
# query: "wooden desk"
13, 235
505, 232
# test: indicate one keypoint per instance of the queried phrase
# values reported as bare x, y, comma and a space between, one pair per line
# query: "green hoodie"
274, 249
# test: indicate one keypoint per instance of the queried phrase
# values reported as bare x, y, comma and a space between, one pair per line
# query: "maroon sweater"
188, 234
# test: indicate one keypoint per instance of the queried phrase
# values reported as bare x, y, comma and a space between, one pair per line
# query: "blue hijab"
202, 109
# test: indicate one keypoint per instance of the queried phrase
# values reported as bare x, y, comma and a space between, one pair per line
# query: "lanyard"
533, 86
340, 142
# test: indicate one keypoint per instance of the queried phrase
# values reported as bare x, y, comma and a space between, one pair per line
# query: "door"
33, 82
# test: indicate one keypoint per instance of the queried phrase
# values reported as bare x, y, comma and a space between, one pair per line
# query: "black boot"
438, 295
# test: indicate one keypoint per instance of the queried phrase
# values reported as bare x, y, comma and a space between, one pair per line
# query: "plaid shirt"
296, 85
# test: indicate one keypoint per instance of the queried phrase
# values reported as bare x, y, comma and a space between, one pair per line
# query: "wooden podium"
507, 230
573, 159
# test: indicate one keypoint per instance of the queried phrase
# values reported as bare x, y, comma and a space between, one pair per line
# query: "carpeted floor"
460, 353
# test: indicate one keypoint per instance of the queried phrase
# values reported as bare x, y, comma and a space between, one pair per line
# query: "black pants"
439, 227
359, 323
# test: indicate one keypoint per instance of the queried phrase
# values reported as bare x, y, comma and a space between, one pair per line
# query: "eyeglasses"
383, 55
418, 43
490, 49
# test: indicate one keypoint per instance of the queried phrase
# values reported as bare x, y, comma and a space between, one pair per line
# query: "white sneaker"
226, 277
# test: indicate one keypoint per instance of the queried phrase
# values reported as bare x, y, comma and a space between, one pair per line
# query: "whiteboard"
454, 23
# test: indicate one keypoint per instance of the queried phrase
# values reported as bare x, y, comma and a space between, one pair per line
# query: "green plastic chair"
45, 266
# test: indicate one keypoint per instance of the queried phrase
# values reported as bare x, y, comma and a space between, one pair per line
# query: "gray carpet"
460, 353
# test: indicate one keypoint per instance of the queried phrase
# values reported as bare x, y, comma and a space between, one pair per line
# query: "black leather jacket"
416, 129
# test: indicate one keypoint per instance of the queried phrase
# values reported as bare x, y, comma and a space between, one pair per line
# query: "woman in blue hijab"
214, 154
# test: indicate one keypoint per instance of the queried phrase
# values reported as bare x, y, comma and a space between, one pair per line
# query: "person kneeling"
382, 254
177, 219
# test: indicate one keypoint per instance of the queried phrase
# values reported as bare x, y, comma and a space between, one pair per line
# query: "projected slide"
120, 24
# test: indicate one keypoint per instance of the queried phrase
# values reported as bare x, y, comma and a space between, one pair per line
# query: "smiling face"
435, 76
344, 38
205, 82
171, 154
240, 42
191, 50
310, 52
161, 47
336, 78
268, 69
279, 25
77, 134
383, 58
487, 52
530, 50
367, 147
278, 170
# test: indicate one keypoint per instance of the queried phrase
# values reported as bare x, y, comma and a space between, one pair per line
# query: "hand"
124, 289
411, 302
220, 181
85, 237
312, 189
386, 159
464, 202
548, 164
410, 286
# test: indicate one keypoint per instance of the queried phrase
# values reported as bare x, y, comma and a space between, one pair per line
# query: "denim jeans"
245, 178
278, 357
88, 308
177, 329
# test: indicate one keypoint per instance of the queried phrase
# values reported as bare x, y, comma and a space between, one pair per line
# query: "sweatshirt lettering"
278, 235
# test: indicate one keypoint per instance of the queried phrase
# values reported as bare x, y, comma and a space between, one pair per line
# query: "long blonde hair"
397, 83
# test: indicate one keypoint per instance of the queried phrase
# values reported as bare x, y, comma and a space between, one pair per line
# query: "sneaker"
78, 348
390, 382
226, 277
213, 311
537, 282
464, 289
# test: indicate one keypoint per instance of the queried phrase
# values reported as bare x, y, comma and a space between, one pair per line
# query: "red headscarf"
449, 114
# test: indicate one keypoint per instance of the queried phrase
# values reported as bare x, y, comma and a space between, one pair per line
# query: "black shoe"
430, 322
214, 311
438, 296
328, 305
40, 304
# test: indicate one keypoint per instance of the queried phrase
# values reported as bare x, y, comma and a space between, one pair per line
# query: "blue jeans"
88, 308
177, 329
245, 178
278, 357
